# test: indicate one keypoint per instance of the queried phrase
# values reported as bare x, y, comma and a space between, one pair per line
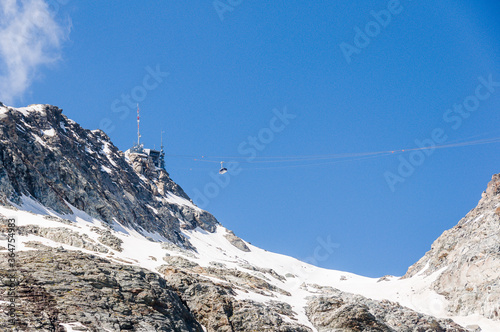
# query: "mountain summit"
53, 160
106, 241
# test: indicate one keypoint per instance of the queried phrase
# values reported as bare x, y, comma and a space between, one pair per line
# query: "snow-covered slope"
300, 279
226, 283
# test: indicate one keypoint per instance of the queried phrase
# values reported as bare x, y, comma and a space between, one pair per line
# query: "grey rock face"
58, 287
62, 235
340, 311
108, 239
176, 248
232, 278
253, 316
264, 271
236, 241
46, 156
215, 307
469, 253
180, 262
36, 245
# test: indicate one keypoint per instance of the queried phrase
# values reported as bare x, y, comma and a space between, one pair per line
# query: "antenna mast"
138, 131
162, 152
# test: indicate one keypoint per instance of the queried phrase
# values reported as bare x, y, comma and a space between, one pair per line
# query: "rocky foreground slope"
105, 244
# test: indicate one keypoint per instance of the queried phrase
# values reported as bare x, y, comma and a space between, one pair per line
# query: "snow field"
415, 293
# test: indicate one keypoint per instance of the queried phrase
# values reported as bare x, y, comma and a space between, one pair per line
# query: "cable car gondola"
222, 168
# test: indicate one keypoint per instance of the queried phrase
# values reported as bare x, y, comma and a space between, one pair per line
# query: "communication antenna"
162, 152
138, 130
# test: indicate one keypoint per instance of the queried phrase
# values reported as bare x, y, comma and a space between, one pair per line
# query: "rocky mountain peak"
493, 188
53, 160
465, 259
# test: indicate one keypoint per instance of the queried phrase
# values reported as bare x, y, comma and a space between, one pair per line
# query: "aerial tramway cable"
325, 159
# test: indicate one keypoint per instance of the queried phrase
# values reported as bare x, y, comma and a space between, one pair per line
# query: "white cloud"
30, 37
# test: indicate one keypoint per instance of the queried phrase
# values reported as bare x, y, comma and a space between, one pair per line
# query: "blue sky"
221, 76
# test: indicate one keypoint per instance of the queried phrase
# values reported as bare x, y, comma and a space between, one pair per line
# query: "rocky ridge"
469, 257
50, 158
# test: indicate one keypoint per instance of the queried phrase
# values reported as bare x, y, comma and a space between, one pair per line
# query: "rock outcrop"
216, 307
469, 257
57, 287
339, 311
236, 241
62, 235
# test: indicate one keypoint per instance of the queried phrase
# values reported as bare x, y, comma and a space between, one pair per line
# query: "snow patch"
154, 236
51, 132
108, 153
20, 128
31, 108
475, 219
89, 150
39, 140
152, 208
118, 227
423, 270
70, 327
3, 112
106, 169
28, 204
172, 198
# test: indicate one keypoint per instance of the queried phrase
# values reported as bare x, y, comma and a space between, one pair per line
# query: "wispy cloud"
30, 37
